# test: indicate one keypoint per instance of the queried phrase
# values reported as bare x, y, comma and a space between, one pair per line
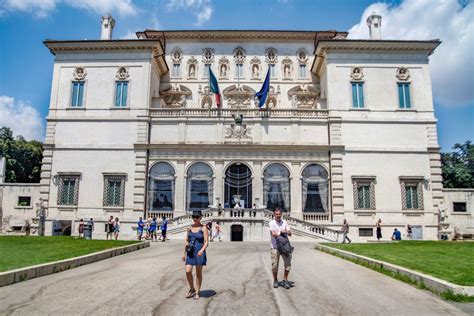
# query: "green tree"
23, 158
458, 166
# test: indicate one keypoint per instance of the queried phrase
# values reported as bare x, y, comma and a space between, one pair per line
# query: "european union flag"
263, 93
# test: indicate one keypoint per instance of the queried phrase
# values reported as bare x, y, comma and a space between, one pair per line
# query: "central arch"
238, 186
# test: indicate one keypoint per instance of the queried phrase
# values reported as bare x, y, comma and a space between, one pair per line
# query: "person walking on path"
116, 228
164, 228
345, 232
110, 227
81, 228
209, 228
153, 228
409, 232
147, 227
141, 226
195, 253
217, 233
378, 225
279, 227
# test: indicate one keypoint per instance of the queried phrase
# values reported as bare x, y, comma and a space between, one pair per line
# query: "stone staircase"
178, 225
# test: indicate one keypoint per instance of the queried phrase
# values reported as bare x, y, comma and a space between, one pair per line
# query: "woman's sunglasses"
196, 216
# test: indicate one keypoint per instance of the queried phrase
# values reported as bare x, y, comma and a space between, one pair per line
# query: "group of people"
112, 228
217, 231
396, 235
150, 227
198, 237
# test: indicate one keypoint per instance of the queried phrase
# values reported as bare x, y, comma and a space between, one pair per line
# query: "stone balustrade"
316, 217
297, 225
283, 113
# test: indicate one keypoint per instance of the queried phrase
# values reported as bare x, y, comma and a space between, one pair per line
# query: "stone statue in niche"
356, 73
287, 72
79, 73
255, 71
192, 71
223, 72
403, 73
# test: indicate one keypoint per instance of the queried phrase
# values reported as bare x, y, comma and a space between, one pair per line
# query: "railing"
316, 217
165, 112
297, 225
160, 214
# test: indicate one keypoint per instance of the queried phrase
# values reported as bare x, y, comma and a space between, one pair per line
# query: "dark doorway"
237, 233
238, 186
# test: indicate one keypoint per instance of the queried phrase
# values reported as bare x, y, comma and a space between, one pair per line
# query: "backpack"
283, 245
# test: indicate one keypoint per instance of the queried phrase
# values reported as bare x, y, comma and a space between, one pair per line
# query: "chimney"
374, 22
108, 24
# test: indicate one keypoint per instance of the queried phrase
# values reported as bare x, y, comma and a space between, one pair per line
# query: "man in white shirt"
278, 226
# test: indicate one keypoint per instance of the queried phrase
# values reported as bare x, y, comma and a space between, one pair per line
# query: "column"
295, 189
219, 184
180, 189
257, 181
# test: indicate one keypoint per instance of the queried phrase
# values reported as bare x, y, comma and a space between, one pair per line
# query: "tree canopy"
23, 158
458, 166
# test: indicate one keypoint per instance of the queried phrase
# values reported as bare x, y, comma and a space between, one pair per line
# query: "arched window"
276, 187
315, 189
199, 187
161, 187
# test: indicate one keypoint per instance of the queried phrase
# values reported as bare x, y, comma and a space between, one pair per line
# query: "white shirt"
278, 227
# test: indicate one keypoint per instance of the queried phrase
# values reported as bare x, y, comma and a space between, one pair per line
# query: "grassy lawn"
450, 261
19, 252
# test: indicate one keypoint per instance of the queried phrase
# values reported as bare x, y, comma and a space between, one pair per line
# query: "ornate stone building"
348, 131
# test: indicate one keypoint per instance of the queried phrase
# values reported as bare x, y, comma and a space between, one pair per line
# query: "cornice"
398, 46
237, 35
152, 45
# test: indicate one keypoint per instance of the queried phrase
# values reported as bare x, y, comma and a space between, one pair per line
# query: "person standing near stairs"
279, 226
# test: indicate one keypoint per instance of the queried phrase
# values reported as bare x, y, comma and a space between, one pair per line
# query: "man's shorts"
276, 259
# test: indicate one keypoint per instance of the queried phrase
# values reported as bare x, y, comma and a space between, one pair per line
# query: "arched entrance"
236, 233
238, 186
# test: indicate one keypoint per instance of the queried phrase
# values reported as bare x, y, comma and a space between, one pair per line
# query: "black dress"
379, 232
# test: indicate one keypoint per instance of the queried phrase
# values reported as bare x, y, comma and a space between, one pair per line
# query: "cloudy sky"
26, 65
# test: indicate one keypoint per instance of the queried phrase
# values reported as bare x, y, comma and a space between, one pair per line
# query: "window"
315, 189
302, 72
364, 192
272, 70
276, 187
24, 201
68, 190
412, 193
176, 70
161, 187
459, 207
239, 71
358, 95
114, 190
121, 91
77, 94
404, 95
366, 232
199, 187
206, 71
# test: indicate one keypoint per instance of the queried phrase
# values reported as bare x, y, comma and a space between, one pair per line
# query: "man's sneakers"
283, 283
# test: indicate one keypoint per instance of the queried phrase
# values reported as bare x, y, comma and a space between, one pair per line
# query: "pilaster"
180, 189
295, 189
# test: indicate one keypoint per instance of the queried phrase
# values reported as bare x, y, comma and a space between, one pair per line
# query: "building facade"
348, 130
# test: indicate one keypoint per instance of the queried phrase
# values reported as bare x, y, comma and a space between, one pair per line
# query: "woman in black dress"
379, 229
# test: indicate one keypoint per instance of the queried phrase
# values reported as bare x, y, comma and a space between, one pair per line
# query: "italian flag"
214, 87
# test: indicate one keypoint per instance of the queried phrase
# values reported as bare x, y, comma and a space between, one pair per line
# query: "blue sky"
26, 64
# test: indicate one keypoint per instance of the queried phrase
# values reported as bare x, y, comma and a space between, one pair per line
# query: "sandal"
191, 293
196, 296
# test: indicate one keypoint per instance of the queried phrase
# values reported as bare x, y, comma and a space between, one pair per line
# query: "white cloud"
43, 8
452, 64
21, 117
202, 9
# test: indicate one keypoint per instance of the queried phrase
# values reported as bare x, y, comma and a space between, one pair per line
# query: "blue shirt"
397, 235
141, 224
164, 225
153, 225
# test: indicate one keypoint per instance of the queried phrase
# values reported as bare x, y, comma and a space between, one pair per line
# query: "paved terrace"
236, 282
